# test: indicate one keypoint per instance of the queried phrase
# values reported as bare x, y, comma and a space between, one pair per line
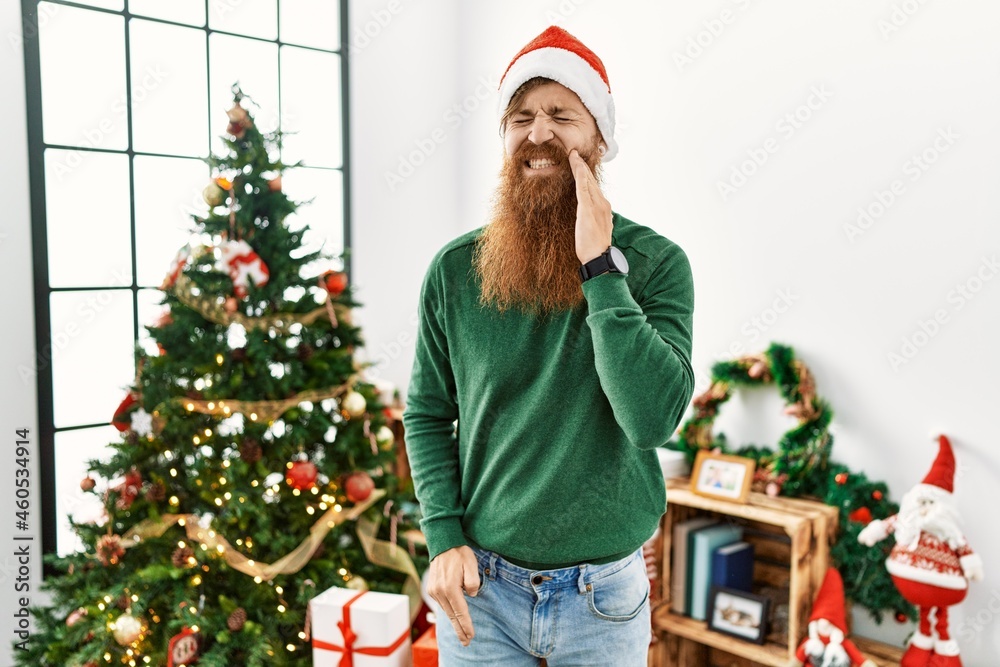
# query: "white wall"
18, 408
682, 130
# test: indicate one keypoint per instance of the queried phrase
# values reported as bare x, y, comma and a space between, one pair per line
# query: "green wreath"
800, 451
801, 466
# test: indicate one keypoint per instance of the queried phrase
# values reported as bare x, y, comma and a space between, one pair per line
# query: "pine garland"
800, 466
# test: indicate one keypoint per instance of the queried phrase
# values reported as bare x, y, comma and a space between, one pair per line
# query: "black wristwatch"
611, 260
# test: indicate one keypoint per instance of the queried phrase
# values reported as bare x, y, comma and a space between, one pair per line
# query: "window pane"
181, 11
92, 359
72, 451
167, 193
325, 215
311, 23
256, 18
169, 89
83, 78
87, 202
310, 106
254, 65
150, 308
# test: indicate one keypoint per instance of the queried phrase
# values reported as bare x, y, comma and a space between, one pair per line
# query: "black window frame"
39, 221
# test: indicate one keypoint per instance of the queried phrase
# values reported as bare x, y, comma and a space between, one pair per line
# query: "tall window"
124, 99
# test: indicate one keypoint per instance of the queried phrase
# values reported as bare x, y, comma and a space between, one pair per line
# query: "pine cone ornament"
123, 602
237, 619
305, 352
238, 355
182, 556
109, 549
250, 451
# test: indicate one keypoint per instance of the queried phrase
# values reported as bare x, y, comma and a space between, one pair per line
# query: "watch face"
618, 258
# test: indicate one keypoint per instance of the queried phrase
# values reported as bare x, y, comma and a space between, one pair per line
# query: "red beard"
526, 256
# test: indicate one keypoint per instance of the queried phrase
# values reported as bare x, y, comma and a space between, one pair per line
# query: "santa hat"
555, 54
829, 602
942, 473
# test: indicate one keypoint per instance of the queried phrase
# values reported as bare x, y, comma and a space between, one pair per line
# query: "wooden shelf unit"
794, 552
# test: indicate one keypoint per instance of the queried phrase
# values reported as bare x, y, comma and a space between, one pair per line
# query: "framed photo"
738, 614
720, 476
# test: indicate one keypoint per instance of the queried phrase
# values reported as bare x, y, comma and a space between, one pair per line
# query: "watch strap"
597, 266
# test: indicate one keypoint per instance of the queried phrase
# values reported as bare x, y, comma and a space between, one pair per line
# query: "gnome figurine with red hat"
827, 644
931, 563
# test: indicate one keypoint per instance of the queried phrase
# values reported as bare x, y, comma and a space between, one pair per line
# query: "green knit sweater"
552, 459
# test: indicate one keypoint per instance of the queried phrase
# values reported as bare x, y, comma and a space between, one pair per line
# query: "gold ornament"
127, 629
357, 583
213, 195
385, 438
354, 403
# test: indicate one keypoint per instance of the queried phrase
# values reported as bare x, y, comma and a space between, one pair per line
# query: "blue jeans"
592, 615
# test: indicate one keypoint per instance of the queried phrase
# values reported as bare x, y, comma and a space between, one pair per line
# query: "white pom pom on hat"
555, 54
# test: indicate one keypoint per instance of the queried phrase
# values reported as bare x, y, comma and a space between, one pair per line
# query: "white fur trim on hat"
575, 73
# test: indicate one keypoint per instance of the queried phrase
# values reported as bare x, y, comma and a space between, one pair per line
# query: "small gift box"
360, 629
425, 649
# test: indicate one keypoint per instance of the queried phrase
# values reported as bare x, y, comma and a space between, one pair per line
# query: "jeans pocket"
482, 569
620, 596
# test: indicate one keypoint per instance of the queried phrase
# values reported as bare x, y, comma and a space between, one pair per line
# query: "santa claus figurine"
827, 644
931, 563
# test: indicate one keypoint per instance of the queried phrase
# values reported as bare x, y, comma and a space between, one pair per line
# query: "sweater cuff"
443, 534
608, 290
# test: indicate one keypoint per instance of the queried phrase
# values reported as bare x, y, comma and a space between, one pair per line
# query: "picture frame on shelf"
738, 614
722, 476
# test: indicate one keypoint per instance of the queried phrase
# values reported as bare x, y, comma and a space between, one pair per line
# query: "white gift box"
378, 621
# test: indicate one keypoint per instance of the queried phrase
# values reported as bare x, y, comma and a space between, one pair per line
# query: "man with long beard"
931, 563
559, 338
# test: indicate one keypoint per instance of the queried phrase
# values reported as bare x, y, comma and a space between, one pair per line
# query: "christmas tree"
256, 464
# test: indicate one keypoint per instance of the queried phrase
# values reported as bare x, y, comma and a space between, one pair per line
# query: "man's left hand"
593, 212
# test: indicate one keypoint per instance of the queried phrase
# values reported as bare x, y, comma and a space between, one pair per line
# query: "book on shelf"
679, 561
702, 543
732, 566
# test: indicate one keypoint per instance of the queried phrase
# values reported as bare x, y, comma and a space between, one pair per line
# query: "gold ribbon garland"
213, 311
265, 410
288, 564
391, 556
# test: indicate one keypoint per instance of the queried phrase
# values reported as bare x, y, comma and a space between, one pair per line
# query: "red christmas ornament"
877, 495
359, 486
335, 282
841, 478
900, 617
861, 515
122, 420
301, 475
